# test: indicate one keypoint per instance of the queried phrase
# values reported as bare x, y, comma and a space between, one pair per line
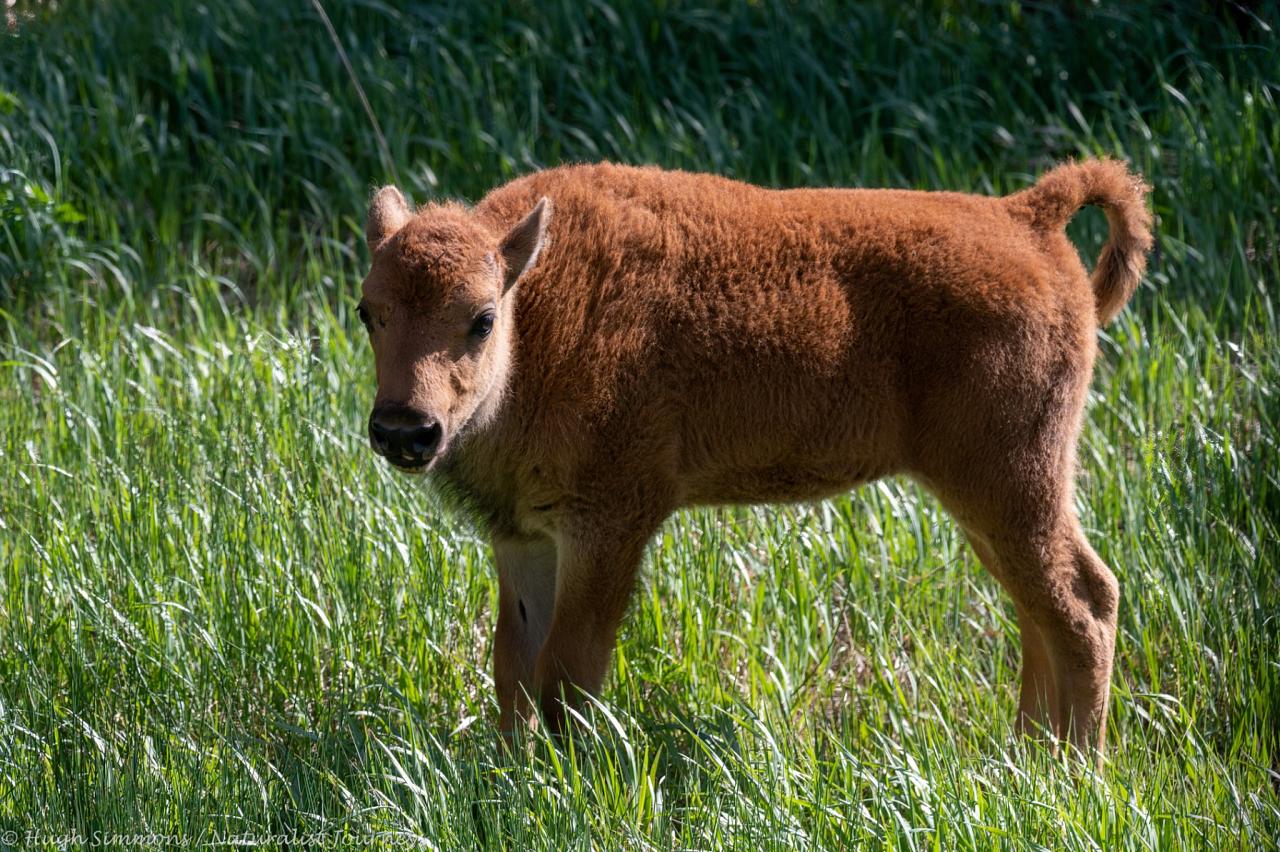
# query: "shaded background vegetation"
217, 614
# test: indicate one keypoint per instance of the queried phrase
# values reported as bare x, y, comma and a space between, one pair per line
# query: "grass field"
222, 619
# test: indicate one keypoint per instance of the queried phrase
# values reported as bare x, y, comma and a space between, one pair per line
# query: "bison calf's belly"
783, 482
780, 458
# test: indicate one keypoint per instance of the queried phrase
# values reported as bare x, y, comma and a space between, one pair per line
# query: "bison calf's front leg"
526, 604
597, 565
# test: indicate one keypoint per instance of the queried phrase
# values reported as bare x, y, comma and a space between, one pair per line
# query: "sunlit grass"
220, 616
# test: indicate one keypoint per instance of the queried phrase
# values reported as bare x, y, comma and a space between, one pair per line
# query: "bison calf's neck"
590, 348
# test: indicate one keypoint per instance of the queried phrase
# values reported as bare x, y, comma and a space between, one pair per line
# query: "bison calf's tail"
1060, 194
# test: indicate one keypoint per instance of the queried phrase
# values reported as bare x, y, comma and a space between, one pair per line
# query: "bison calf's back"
590, 348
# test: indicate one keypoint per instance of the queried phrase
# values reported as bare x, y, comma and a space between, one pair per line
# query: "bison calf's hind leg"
526, 604
1038, 693
1067, 598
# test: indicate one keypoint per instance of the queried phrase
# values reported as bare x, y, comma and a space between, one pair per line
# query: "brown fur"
682, 339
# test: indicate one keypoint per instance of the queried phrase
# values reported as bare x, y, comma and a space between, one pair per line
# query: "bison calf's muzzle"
406, 438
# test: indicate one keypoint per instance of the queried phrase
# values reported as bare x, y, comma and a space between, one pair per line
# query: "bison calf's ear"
522, 243
388, 213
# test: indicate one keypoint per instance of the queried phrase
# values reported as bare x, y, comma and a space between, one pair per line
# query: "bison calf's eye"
482, 326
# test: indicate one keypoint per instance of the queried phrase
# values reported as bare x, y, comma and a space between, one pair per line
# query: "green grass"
219, 616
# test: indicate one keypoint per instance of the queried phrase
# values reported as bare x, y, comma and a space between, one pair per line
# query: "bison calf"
591, 347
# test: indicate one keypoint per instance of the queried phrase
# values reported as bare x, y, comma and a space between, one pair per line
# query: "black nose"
404, 437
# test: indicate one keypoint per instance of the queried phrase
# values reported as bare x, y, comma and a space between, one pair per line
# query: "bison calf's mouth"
408, 439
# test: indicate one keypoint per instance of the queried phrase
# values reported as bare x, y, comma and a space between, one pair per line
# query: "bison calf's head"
439, 305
